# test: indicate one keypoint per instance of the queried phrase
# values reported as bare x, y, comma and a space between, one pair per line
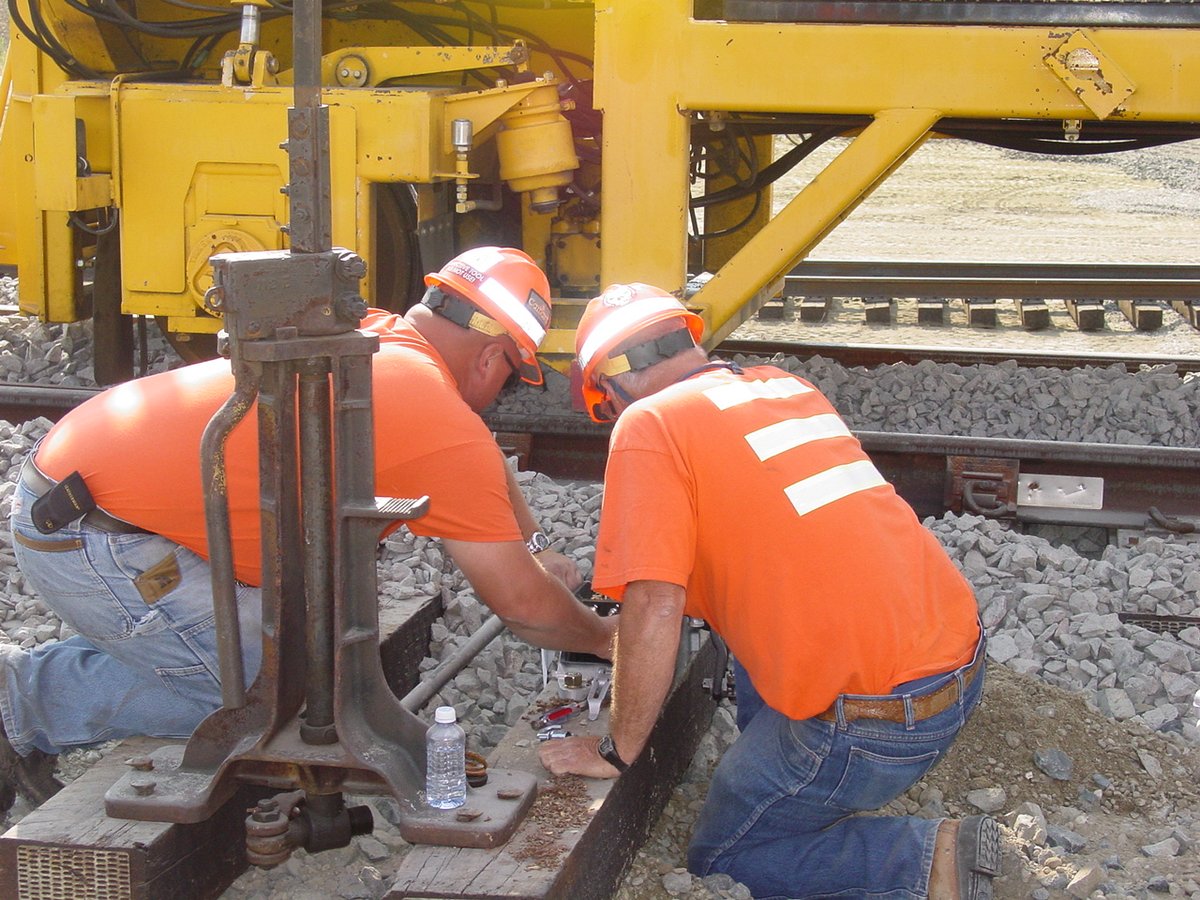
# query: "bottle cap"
445, 715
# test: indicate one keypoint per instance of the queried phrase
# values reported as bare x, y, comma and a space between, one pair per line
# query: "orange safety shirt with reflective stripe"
137, 446
750, 492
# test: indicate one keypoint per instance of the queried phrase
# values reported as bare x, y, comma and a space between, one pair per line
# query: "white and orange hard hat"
611, 320
510, 294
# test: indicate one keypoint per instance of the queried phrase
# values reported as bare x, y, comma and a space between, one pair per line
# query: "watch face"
538, 542
608, 751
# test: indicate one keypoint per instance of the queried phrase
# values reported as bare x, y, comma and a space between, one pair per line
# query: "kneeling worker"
132, 577
739, 496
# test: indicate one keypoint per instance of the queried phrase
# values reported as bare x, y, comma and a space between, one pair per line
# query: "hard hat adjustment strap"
461, 312
648, 353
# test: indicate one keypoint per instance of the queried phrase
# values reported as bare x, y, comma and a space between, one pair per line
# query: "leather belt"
892, 709
38, 483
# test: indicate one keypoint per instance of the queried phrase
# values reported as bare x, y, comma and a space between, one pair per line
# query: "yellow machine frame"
195, 168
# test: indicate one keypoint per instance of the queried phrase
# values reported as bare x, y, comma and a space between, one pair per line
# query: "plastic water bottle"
445, 761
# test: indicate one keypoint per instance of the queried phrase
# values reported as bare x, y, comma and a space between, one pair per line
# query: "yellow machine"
612, 140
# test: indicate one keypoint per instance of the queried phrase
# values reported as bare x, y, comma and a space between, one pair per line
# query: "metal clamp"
599, 691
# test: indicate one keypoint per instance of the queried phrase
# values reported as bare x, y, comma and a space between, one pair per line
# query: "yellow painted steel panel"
397, 132
210, 182
166, 135
969, 71
57, 182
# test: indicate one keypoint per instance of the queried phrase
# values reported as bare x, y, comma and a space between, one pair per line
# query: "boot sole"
977, 854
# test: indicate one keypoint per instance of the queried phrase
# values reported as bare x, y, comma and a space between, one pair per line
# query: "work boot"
977, 852
31, 776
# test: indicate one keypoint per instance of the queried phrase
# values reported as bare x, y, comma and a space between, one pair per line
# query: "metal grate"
66, 873
1159, 623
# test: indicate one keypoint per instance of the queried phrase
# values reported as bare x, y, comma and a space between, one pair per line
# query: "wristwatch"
537, 542
608, 750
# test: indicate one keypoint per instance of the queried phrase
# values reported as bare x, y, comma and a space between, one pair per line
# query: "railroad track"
1133, 481
872, 355
1034, 482
1144, 293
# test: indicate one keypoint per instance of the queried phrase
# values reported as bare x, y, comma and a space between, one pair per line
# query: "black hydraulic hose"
47, 44
771, 173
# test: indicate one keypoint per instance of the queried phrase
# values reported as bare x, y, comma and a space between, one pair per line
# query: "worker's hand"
561, 567
576, 756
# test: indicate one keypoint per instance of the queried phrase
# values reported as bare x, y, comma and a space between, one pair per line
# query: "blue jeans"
780, 814
144, 660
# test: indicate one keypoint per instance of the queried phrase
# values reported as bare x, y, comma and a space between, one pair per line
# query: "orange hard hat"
609, 321
509, 293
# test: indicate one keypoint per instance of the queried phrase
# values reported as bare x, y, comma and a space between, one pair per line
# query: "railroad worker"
739, 496
131, 577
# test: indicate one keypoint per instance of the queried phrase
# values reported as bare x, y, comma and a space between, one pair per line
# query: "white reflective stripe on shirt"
783, 436
833, 484
738, 392
621, 319
514, 308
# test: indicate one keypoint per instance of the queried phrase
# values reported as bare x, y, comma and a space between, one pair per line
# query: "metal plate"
1060, 491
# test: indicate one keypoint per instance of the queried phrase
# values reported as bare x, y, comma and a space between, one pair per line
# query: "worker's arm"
535, 605
647, 643
561, 567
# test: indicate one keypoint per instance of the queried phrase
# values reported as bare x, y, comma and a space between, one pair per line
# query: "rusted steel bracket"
982, 486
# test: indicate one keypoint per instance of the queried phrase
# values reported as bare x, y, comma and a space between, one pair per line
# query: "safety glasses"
514, 378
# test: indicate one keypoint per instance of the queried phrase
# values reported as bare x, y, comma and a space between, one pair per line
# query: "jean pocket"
135, 555
194, 685
873, 779
41, 545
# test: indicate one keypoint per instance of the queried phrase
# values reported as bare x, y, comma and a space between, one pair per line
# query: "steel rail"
1142, 485
872, 355
994, 281
23, 402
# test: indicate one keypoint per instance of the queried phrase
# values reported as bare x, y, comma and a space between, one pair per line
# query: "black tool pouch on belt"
62, 504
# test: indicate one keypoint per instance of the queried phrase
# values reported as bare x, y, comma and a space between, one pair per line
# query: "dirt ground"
1020, 715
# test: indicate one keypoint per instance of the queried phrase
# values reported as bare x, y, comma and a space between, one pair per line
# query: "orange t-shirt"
750, 492
137, 446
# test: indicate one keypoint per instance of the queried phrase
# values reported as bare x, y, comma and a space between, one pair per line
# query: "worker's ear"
491, 356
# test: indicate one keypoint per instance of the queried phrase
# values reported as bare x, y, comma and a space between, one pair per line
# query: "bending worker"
132, 578
739, 496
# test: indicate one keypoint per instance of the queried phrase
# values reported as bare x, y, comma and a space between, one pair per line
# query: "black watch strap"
608, 750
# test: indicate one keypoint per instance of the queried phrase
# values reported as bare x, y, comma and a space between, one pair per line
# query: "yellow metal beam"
656, 67
370, 66
644, 191
755, 270
965, 71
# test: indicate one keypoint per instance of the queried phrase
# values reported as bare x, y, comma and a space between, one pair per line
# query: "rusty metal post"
316, 493
309, 222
